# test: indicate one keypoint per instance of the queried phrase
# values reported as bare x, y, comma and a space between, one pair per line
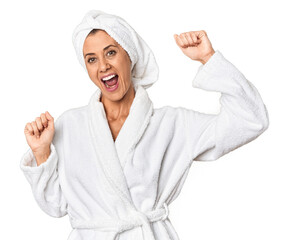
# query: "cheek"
91, 71
125, 67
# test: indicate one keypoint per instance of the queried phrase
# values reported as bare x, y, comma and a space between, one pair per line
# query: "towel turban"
144, 68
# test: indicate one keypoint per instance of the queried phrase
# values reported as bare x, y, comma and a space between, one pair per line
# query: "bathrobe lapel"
112, 155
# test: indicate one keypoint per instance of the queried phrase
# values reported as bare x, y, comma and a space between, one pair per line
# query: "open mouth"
111, 84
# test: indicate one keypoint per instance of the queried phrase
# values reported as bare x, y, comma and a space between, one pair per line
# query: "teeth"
107, 78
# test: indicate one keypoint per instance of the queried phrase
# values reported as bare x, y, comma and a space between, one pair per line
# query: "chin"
113, 97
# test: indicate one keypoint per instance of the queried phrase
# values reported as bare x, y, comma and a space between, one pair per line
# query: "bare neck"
117, 110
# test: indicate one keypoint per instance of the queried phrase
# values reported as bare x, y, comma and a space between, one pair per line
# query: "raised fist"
39, 135
195, 45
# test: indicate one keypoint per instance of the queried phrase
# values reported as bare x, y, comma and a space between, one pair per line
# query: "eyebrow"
103, 49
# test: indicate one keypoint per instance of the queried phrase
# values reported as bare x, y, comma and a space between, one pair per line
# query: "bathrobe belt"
136, 219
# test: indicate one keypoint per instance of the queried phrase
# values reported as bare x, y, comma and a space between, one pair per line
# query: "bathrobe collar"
113, 155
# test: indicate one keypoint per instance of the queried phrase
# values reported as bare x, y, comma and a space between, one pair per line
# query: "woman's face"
103, 56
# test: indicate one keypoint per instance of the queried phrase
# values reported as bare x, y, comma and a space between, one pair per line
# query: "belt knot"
134, 219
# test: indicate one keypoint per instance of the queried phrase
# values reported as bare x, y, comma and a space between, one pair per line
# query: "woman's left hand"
196, 45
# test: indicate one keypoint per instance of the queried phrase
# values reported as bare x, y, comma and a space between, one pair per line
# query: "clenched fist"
195, 45
39, 135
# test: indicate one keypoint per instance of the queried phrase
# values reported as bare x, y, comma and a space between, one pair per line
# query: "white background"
243, 195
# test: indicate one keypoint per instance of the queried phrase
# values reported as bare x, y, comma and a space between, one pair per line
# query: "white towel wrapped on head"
144, 67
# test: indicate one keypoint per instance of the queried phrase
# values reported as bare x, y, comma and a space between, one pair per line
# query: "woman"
116, 164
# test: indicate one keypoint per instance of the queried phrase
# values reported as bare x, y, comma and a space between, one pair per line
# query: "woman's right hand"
39, 135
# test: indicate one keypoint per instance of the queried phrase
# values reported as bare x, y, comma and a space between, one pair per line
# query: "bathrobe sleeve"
44, 180
242, 118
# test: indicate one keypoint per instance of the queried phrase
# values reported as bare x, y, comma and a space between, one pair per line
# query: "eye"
112, 51
90, 60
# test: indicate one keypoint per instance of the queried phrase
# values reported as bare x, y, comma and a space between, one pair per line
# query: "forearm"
44, 181
242, 118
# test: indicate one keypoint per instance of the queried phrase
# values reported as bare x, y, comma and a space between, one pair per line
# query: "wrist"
42, 155
205, 59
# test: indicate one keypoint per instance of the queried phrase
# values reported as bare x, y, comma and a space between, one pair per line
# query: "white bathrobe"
122, 190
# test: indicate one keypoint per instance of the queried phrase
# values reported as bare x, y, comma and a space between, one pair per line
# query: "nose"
103, 65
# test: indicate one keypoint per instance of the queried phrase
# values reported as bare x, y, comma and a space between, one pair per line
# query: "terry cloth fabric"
123, 189
144, 67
